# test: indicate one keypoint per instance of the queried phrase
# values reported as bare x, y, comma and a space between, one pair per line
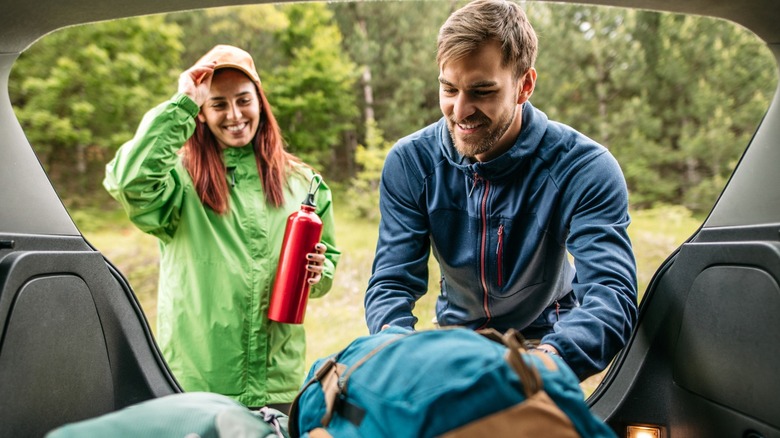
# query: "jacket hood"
533, 128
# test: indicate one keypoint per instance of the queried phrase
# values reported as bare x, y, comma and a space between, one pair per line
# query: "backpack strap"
333, 377
329, 380
336, 389
319, 375
516, 344
537, 415
365, 358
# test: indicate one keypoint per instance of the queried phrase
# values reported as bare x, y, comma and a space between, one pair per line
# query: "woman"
207, 174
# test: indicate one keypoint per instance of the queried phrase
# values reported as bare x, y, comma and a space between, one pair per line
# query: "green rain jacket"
217, 271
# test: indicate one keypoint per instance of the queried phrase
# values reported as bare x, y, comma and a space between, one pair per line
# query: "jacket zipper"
500, 254
232, 171
482, 253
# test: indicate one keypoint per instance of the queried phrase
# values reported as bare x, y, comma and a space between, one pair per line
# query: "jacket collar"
531, 133
233, 156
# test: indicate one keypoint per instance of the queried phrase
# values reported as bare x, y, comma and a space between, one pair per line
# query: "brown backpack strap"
537, 415
321, 373
515, 343
330, 389
333, 377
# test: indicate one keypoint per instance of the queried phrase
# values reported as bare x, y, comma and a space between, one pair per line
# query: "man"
500, 193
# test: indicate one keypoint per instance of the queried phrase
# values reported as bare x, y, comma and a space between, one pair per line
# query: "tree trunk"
368, 95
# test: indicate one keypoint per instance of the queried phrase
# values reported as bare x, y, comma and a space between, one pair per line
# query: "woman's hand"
315, 263
196, 82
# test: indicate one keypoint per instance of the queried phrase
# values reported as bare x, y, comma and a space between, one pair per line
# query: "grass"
338, 318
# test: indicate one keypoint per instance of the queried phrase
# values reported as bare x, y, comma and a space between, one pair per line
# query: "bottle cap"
312, 190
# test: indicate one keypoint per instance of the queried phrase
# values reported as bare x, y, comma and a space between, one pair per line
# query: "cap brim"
240, 68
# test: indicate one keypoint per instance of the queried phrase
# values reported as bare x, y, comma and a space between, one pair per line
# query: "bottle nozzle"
312, 190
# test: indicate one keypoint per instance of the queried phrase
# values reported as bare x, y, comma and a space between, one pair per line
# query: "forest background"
674, 98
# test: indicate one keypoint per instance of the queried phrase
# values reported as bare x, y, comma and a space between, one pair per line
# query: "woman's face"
232, 109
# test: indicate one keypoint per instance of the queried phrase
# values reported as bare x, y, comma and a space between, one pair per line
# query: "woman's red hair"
202, 157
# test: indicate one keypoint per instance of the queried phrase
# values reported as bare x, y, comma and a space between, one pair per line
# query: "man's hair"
482, 21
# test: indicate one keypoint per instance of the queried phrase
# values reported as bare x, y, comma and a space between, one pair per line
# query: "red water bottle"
291, 288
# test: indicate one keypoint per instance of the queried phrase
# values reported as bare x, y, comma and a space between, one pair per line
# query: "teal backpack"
450, 383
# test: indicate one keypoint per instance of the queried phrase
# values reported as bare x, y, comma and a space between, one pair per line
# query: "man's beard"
476, 144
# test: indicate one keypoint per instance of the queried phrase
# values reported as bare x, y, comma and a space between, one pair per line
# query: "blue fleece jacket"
500, 231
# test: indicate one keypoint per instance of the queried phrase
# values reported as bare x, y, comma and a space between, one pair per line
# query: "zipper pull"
476, 180
500, 255
500, 238
232, 171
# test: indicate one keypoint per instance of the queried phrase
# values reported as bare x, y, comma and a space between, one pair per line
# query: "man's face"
480, 100
232, 110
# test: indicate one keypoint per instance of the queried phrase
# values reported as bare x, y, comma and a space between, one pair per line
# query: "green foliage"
364, 189
674, 98
305, 74
311, 93
80, 92
396, 42
705, 119
97, 80
250, 27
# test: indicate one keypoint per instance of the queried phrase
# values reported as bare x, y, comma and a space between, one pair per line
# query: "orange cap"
231, 57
